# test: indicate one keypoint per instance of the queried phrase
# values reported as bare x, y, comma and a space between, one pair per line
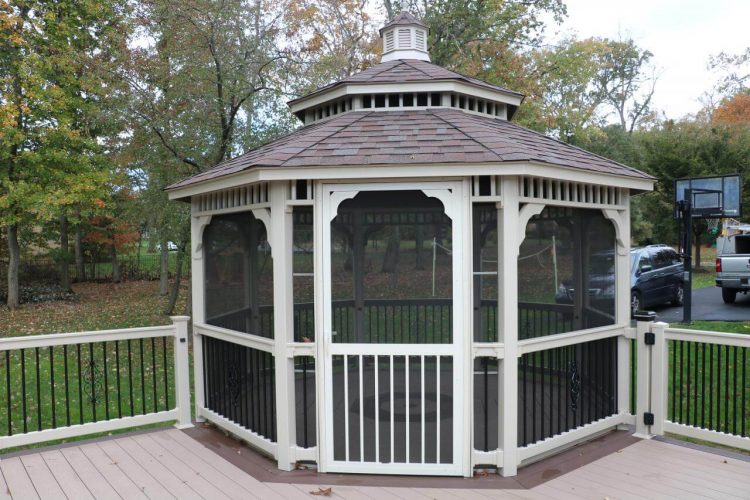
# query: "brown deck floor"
174, 464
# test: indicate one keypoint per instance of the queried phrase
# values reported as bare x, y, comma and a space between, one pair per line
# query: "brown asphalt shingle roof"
405, 71
440, 135
403, 18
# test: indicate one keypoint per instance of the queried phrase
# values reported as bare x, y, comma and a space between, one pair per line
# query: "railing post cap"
644, 316
179, 319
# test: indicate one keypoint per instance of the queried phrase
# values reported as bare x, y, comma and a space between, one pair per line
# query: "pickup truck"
733, 265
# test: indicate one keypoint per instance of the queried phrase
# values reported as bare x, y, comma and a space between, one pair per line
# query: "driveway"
707, 305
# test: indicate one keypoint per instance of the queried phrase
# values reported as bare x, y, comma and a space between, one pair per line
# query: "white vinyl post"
198, 283
182, 370
508, 248
283, 319
659, 374
622, 275
643, 365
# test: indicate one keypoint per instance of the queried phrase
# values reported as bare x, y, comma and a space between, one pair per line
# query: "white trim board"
416, 171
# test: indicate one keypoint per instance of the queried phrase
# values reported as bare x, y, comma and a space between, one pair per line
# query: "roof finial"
404, 37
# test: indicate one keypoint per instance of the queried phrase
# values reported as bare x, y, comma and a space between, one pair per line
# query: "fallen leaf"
300, 466
322, 492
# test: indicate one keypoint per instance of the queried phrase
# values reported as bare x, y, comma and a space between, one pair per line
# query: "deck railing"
693, 383
73, 384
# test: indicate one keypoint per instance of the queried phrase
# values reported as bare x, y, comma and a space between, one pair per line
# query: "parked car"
656, 277
733, 266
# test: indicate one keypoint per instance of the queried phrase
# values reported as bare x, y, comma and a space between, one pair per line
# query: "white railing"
65, 385
687, 387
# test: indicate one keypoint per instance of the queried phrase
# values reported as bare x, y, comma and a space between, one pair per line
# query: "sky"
682, 35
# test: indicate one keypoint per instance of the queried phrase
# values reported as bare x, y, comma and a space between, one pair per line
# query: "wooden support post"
508, 248
280, 237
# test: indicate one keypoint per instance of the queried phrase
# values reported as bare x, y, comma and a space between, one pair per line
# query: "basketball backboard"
713, 197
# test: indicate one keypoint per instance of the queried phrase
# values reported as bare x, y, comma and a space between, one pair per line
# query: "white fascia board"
395, 88
416, 171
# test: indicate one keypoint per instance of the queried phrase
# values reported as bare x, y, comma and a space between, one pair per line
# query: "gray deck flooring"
170, 464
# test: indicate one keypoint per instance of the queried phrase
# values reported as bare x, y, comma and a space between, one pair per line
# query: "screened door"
392, 351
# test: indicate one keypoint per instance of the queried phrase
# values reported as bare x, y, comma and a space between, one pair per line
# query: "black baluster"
703, 386
92, 362
143, 377
734, 392
130, 377
165, 370
117, 368
106, 380
726, 389
38, 391
67, 391
7, 392
52, 386
23, 389
153, 373
80, 384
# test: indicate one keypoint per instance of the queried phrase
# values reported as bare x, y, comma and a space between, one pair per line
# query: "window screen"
239, 274
566, 272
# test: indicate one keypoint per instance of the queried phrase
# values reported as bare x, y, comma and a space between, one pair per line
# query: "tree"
570, 99
733, 111
46, 154
201, 88
734, 69
627, 82
333, 39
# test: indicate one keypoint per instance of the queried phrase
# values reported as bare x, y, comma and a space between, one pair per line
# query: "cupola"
404, 37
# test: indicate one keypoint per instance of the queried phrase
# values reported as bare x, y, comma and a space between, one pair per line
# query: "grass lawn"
65, 385
99, 306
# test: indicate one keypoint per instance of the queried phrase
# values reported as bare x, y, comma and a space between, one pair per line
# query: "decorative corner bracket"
618, 219
199, 225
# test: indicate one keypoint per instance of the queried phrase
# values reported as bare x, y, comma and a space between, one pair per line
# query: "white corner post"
197, 267
659, 377
620, 219
280, 235
643, 365
508, 226
182, 371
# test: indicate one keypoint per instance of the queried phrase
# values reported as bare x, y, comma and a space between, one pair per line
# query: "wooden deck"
171, 464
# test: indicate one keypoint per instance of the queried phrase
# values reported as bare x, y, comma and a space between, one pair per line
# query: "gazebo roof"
403, 137
406, 71
403, 18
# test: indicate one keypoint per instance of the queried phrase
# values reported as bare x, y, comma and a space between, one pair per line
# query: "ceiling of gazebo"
440, 136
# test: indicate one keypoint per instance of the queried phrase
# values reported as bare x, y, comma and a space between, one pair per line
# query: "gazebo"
409, 283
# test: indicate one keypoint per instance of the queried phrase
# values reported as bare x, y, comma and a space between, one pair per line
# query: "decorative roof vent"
404, 37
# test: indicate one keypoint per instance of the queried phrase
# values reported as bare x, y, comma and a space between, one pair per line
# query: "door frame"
454, 195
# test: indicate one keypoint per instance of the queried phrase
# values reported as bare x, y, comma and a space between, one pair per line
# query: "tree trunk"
164, 269
14, 252
420, 244
390, 259
697, 243
176, 287
64, 250
80, 264
115, 266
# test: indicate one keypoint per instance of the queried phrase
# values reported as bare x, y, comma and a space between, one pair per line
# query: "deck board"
96, 483
169, 463
116, 478
19, 482
66, 477
45, 483
182, 471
